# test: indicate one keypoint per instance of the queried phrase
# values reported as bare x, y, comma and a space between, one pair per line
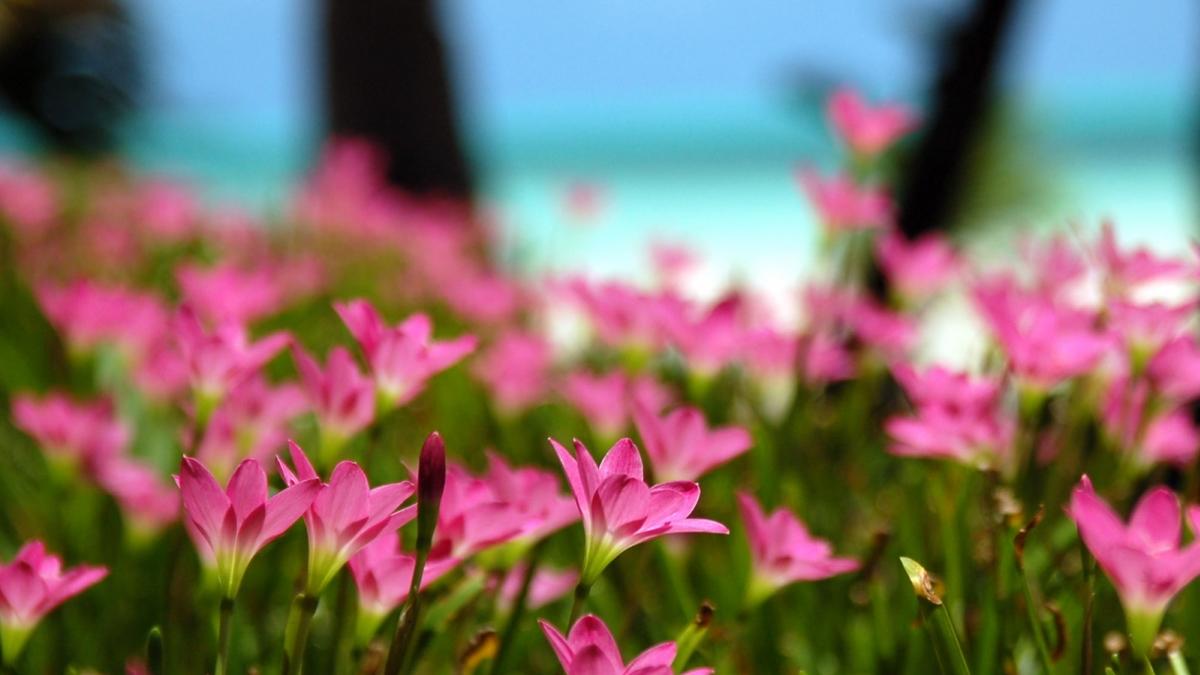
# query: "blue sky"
237, 59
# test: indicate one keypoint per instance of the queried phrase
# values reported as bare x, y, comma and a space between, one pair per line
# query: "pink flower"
341, 396
402, 357
682, 447
230, 526
957, 417
622, 315
516, 370
825, 359
713, 340
220, 360
32, 585
516, 507
842, 205
482, 297
671, 262
383, 575
1175, 369
227, 294
251, 422
865, 130
917, 269
605, 399
346, 515
620, 510
1144, 328
1045, 343
166, 210
1125, 271
88, 315
1143, 559
546, 586
147, 502
82, 436
1171, 438
28, 199
784, 552
589, 649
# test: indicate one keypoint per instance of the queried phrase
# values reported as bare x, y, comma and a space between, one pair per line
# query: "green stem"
1175, 657
223, 634
1035, 624
954, 660
341, 619
296, 634
1147, 666
581, 595
406, 626
518, 611
1089, 599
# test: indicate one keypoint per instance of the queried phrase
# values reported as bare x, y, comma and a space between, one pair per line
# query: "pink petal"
286, 507
558, 643
658, 655
590, 631
1155, 520
247, 488
591, 660
571, 471
203, 499
385, 499
346, 500
249, 540
623, 459
22, 589
620, 505
756, 524
670, 502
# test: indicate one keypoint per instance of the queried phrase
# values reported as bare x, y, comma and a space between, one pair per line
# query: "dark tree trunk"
962, 97
387, 81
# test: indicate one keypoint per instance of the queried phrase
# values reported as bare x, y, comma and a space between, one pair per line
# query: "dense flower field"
344, 438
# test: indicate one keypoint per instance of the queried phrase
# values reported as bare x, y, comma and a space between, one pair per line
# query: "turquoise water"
716, 176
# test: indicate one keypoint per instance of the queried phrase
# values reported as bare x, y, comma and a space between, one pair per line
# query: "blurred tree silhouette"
69, 67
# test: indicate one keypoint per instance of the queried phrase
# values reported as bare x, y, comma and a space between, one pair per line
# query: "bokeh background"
684, 120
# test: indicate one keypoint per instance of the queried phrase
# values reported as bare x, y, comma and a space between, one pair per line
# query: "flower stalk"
936, 619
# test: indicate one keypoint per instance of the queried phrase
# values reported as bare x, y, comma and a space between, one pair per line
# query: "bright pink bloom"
402, 357
1175, 369
1144, 328
1045, 343
864, 129
516, 369
682, 447
251, 422
83, 435
147, 502
890, 334
482, 297
346, 516
920, 268
620, 510
230, 526
605, 399
1144, 559
32, 584
88, 315
220, 360
1172, 438
622, 315
510, 506
957, 417
226, 294
546, 586
825, 359
340, 395
589, 649
784, 552
713, 340
842, 205
383, 575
